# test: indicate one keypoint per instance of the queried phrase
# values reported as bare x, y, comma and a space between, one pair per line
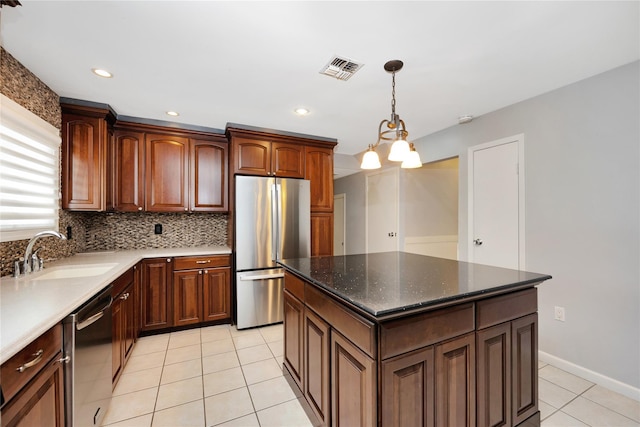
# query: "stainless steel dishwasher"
87, 347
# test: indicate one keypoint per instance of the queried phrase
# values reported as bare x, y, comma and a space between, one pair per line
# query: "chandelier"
392, 130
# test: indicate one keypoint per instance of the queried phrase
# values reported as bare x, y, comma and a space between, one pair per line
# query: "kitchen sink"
75, 271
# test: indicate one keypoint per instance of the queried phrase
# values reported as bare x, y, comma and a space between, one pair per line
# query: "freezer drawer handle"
31, 363
81, 325
249, 277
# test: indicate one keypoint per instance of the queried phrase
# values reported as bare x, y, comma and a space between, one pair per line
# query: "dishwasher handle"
249, 277
94, 317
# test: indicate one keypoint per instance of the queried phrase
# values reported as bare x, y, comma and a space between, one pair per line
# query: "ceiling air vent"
341, 68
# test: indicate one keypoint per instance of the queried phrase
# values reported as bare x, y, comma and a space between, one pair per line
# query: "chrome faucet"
27, 264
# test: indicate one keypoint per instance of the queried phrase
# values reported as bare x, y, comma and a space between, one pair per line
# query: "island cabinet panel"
353, 385
493, 347
524, 362
408, 386
294, 337
157, 295
316, 364
128, 170
456, 382
166, 177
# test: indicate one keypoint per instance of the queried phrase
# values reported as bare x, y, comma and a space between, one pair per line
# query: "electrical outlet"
558, 313
157, 229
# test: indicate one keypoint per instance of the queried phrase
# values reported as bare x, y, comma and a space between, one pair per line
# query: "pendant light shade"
412, 161
395, 130
370, 160
399, 150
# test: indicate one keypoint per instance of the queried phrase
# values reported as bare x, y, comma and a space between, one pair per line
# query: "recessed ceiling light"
465, 119
173, 113
102, 73
301, 111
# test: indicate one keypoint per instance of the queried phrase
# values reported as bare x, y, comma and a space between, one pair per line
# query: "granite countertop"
29, 306
389, 283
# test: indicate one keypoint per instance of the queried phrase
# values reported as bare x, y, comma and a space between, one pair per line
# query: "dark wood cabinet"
294, 337
128, 170
216, 294
202, 289
353, 384
408, 387
85, 139
321, 234
473, 363
123, 314
456, 382
157, 294
208, 176
317, 342
319, 170
267, 158
166, 177
35, 393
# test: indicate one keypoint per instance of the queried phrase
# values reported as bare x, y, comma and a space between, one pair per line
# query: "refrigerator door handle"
249, 277
275, 228
277, 219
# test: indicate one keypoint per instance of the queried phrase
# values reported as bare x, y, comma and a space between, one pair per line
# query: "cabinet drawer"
492, 311
294, 285
357, 329
191, 262
411, 333
32, 359
122, 282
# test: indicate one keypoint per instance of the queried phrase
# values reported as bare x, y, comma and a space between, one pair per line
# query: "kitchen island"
397, 339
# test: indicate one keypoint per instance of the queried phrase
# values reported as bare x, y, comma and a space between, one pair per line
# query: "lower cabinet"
124, 321
201, 289
317, 342
33, 384
293, 320
157, 297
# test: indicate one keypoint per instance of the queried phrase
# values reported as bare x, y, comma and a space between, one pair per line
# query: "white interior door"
496, 203
338, 224
382, 211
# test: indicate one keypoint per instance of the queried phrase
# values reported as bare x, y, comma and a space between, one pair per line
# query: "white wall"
582, 161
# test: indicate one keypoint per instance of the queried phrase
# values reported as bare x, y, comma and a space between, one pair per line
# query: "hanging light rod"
395, 130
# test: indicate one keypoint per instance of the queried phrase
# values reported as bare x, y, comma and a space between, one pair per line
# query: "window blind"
29, 173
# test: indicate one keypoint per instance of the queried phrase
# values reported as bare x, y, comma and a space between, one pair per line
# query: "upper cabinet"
319, 171
85, 137
266, 158
134, 167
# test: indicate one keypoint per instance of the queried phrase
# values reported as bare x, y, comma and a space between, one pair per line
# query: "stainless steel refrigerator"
272, 221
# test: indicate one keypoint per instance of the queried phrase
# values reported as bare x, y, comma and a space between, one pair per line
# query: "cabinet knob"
168, 259
186, 209
139, 208
199, 271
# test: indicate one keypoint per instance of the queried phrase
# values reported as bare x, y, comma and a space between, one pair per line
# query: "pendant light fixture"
395, 131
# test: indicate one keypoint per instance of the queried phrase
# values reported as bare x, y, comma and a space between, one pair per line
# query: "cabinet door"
293, 336
316, 365
494, 376
117, 339
216, 292
353, 385
187, 297
129, 334
251, 156
128, 171
321, 234
84, 142
408, 390
156, 298
319, 170
455, 382
208, 181
287, 160
166, 177
41, 402
524, 365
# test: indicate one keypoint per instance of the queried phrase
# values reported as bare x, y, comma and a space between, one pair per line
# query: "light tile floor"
219, 376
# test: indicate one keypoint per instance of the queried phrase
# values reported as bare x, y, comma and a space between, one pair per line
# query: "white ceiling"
252, 63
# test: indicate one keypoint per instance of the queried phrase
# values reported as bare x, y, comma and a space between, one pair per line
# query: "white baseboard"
589, 375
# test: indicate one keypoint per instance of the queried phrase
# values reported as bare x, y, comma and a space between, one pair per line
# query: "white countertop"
29, 307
